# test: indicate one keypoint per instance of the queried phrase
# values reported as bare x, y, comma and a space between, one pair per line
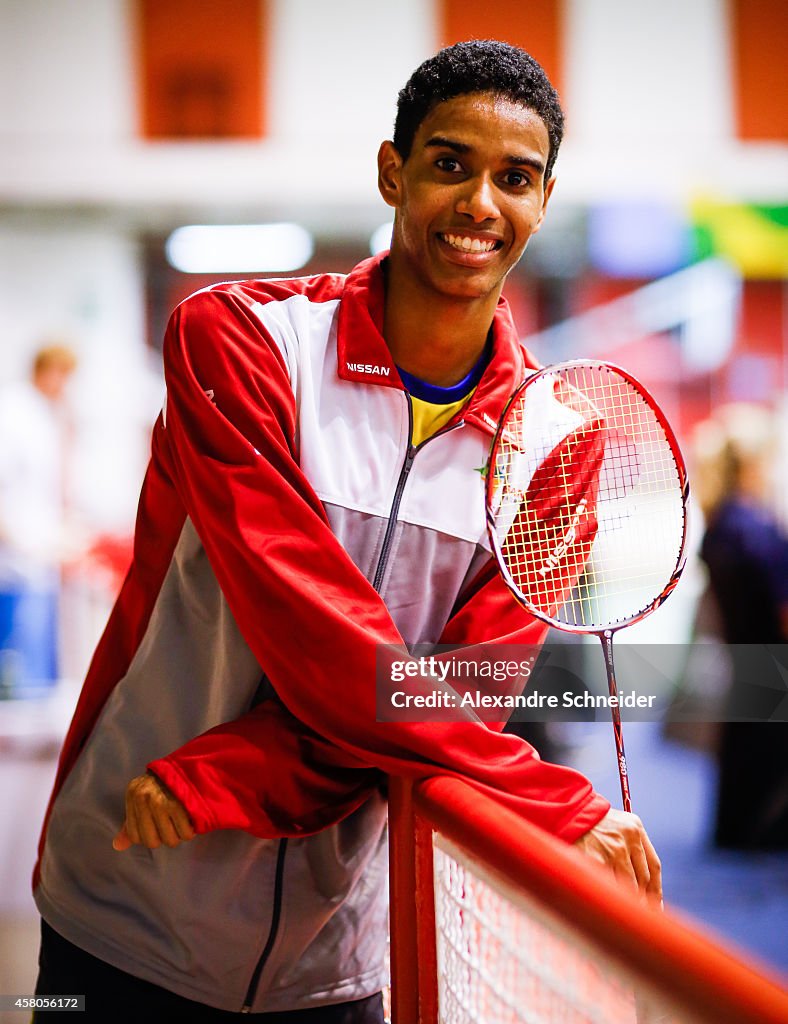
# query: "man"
313, 494
33, 538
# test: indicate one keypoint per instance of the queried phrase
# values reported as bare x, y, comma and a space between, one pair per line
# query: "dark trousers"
114, 997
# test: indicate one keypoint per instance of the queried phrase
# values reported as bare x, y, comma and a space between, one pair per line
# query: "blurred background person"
34, 537
746, 555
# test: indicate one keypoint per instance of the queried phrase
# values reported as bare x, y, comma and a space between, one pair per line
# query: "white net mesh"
502, 959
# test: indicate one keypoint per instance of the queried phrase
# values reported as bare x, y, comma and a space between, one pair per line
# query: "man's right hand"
620, 841
154, 816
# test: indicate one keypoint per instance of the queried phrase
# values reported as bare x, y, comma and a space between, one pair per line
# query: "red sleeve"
310, 617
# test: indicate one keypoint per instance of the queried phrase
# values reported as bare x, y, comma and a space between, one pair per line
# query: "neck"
438, 339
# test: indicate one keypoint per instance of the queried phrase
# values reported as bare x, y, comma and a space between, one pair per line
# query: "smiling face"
468, 197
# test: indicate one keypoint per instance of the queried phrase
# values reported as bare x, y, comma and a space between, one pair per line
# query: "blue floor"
742, 897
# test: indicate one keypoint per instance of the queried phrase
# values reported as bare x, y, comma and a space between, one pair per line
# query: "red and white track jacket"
286, 529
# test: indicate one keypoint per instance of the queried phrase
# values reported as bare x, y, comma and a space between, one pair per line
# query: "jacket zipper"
403, 479
251, 992
410, 455
379, 572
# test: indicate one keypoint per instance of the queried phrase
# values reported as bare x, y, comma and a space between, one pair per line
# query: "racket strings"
588, 498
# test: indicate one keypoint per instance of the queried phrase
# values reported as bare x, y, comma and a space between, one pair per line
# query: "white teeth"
468, 244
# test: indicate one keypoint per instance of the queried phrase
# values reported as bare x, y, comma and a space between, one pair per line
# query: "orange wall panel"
200, 68
759, 30
536, 26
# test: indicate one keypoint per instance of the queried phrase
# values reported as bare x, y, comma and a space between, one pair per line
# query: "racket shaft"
615, 714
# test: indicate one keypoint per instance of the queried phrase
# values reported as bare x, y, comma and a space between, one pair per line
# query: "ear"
548, 191
389, 174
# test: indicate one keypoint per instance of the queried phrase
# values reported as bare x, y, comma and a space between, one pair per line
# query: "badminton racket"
586, 497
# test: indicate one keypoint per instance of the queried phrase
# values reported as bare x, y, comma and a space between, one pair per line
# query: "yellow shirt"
428, 418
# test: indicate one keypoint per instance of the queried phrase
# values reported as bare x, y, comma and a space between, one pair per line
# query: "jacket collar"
364, 357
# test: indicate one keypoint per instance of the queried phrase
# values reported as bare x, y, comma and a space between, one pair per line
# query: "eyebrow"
442, 142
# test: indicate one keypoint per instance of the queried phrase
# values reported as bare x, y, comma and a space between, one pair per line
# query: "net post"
414, 966
425, 916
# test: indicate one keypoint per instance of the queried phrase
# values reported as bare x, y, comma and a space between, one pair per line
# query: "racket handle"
615, 714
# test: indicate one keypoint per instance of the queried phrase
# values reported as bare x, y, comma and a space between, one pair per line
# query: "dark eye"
516, 179
448, 163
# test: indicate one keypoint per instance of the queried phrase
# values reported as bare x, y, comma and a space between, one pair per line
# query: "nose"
478, 199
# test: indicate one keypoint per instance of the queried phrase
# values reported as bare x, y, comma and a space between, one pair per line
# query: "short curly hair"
478, 65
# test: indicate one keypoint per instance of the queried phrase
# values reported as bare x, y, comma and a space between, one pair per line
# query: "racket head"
586, 496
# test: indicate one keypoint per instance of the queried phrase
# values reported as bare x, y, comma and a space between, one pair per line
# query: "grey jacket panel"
419, 605
154, 911
176, 917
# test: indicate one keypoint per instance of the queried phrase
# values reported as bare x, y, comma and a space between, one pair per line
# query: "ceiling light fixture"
380, 239
239, 248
